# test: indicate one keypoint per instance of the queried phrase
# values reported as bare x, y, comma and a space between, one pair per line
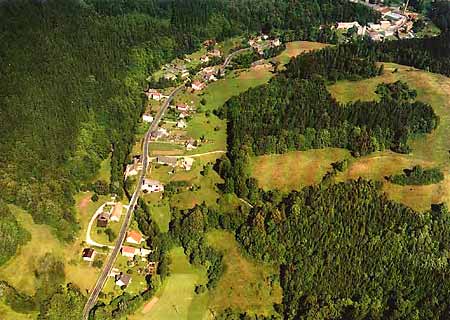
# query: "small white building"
152, 186
144, 252
117, 212
181, 124
187, 163
347, 25
204, 59
154, 94
147, 118
122, 279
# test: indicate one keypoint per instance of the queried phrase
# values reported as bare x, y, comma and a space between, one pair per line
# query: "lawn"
177, 299
245, 285
294, 170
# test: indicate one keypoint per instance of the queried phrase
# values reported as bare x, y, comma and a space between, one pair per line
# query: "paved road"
122, 234
231, 56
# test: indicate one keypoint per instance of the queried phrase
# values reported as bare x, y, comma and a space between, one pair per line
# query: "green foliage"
347, 252
111, 234
12, 234
66, 304
418, 176
18, 301
440, 14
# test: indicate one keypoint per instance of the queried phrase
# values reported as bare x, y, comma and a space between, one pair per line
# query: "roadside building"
147, 118
154, 94
123, 279
167, 161
198, 86
182, 107
134, 237
215, 53
144, 252
347, 25
183, 115
204, 59
128, 252
152, 186
160, 133
191, 144
88, 254
134, 168
117, 212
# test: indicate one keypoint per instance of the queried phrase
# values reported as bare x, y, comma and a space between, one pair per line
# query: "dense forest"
12, 234
347, 252
417, 176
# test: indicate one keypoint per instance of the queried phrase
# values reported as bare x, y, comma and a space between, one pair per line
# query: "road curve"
231, 56
123, 230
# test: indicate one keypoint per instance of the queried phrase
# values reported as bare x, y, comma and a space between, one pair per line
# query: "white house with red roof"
134, 237
154, 94
198, 86
128, 252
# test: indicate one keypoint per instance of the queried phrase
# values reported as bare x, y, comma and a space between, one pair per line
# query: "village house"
117, 212
134, 168
181, 124
210, 76
215, 53
204, 59
209, 42
128, 252
167, 161
160, 133
384, 10
191, 144
103, 219
184, 73
183, 115
198, 86
123, 280
114, 272
152, 186
154, 94
187, 163
88, 254
144, 252
275, 42
182, 107
134, 237
147, 118
347, 25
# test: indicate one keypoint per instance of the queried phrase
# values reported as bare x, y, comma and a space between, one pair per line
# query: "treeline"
12, 234
296, 114
418, 176
347, 252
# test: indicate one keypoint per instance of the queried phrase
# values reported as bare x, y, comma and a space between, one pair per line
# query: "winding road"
92, 300
123, 230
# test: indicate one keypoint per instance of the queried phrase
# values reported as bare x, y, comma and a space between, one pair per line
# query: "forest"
295, 111
347, 252
417, 175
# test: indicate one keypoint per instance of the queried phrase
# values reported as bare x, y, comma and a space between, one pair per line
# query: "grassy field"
294, 170
245, 285
177, 299
19, 271
6, 313
296, 48
428, 150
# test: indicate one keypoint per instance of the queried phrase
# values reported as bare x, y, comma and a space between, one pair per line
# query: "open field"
245, 285
294, 170
6, 313
177, 299
296, 48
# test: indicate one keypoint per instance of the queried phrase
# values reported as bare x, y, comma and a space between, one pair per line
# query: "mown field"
291, 170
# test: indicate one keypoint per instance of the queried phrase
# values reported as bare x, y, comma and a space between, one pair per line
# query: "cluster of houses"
214, 53
394, 23
263, 42
109, 214
175, 71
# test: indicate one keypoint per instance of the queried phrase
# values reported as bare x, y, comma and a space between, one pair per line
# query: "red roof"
136, 236
127, 249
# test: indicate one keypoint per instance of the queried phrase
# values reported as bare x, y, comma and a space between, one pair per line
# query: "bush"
94, 198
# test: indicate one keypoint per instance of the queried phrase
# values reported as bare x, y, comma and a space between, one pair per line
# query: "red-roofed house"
154, 94
197, 85
129, 252
134, 237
